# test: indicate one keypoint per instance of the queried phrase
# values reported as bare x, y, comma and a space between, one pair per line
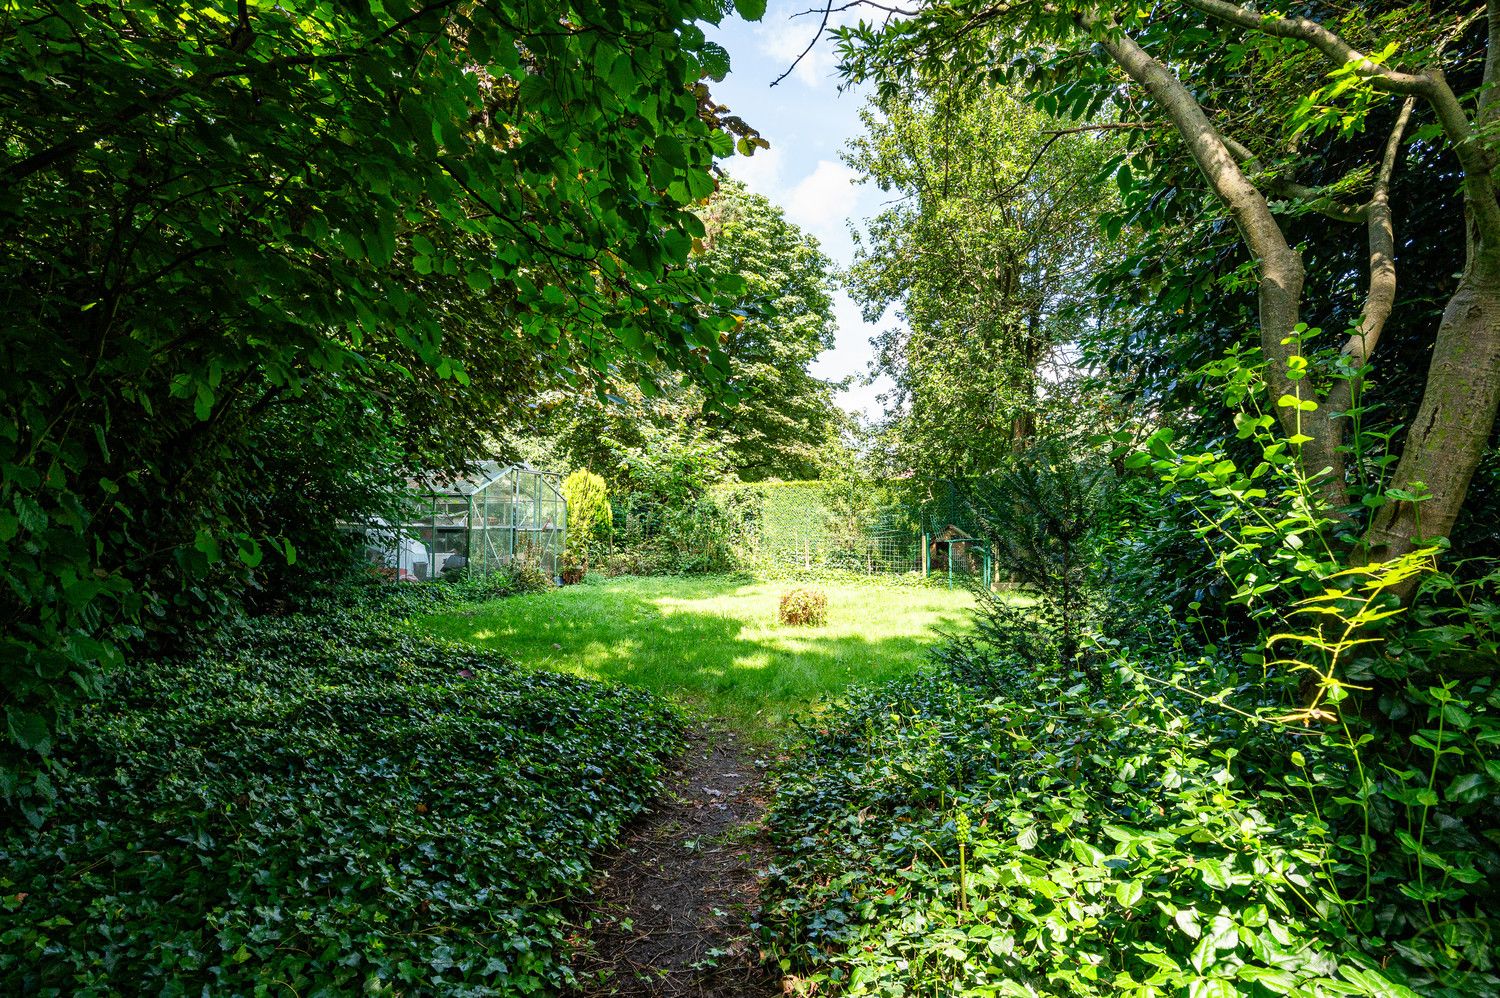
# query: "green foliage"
222, 339
590, 517
1302, 806
985, 250
1273, 532
803, 607
842, 523
785, 420
327, 803
1403, 775
668, 522
1146, 842
1109, 851
1041, 517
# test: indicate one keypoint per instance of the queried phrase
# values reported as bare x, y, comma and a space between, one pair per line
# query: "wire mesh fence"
864, 528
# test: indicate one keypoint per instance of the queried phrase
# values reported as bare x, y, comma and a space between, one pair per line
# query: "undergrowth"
326, 804
981, 829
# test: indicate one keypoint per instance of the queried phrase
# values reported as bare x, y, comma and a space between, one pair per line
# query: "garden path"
670, 913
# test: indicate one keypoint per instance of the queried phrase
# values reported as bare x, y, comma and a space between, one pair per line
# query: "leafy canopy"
984, 249
382, 225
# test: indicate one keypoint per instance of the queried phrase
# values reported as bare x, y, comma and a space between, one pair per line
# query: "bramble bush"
803, 607
326, 803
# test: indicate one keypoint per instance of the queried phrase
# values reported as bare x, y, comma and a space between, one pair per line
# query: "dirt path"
670, 914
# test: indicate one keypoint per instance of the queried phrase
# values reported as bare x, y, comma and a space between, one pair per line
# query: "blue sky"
807, 121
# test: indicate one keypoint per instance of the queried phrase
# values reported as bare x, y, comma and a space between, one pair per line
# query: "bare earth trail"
670, 913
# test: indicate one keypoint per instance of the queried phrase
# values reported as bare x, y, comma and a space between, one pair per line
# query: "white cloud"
822, 203
782, 35
761, 172
783, 40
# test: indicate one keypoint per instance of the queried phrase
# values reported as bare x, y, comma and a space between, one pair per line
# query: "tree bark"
1461, 396
1279, 294
1381, 297
1453, 426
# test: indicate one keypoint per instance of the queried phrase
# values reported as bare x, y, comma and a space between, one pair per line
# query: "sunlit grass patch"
715, 643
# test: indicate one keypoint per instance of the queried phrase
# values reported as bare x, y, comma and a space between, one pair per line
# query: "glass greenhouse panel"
501, 517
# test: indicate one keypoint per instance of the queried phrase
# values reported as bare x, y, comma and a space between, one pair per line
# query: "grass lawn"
713, 643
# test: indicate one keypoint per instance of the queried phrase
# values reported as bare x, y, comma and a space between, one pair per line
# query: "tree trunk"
1449, 434
1278, 264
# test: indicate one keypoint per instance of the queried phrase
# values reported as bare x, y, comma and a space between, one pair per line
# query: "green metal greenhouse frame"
473, 526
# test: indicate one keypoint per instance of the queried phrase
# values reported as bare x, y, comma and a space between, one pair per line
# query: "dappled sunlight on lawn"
715, 642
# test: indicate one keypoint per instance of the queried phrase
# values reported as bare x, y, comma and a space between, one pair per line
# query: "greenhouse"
501, 515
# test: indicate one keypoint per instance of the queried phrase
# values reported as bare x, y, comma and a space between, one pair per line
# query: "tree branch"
1489, 99
1056, 133
1381, 297
822, 27
1477, 160
79, 141
1320, 38
1279, 292
1315, 198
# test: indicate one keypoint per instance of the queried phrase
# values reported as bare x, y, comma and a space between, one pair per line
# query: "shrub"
1041, 516
804, 606
326, 805
590, 517
669, 524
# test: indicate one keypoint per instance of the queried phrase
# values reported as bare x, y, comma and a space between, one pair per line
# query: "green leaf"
1187, 921
208, 545
29, 729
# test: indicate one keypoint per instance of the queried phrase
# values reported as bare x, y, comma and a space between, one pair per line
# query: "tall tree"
984, 250
783, 422
786, 419
1242, 91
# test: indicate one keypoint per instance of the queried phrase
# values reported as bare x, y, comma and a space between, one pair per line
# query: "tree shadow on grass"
712, 643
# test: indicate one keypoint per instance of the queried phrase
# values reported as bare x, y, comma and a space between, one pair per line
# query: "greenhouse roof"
485, 474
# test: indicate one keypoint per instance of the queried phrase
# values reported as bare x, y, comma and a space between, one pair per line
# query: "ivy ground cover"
987, 829
322, 805
714, 642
